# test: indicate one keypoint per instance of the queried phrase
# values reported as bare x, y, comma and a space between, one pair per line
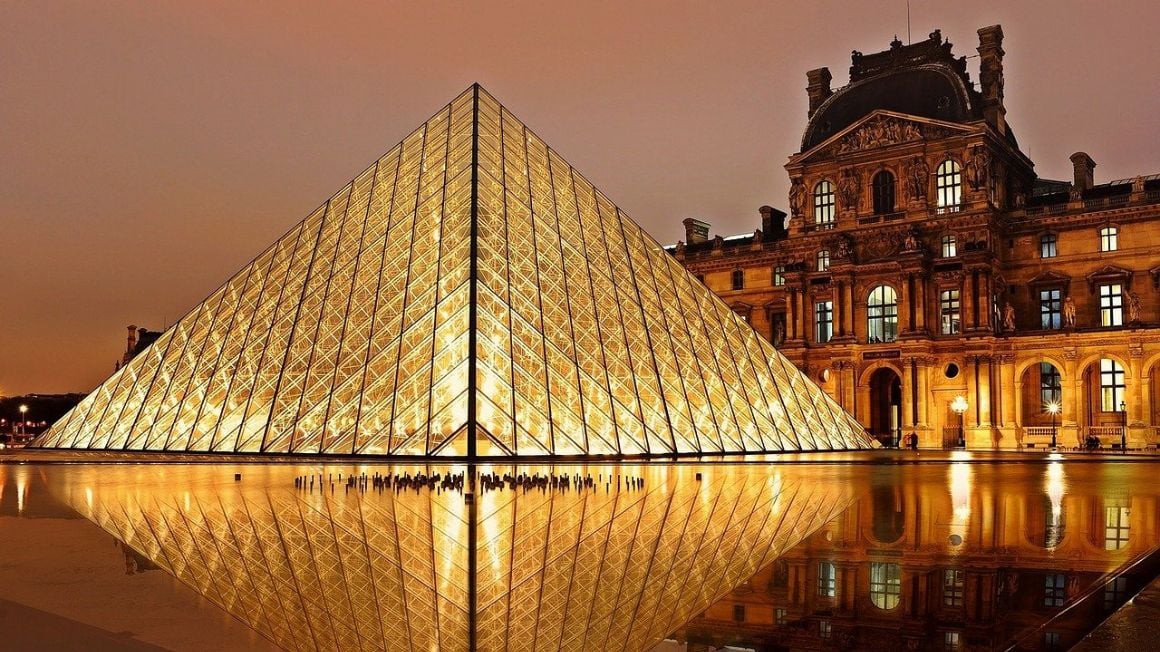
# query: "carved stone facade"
950, 269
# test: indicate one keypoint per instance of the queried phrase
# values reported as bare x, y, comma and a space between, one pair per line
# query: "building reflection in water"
989, 556
599, 568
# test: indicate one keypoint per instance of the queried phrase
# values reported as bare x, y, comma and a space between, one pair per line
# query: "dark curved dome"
929, 91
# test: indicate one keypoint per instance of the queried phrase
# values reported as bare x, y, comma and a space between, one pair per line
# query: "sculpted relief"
882, 131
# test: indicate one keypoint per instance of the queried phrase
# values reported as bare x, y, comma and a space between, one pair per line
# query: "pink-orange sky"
149, 149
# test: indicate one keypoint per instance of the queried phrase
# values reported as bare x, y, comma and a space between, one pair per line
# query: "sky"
148, 150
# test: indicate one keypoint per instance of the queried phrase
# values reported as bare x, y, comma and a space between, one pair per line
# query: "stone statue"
1009, 317
845, 249
680, 248
1068, 312
758, 236
848, 189
797, 197
919, 175
978, 168
1133, 307
778, 332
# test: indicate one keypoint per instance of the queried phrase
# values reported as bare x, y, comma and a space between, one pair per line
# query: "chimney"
991, 76
819, 88
1083, 170
132, 339
772, 223
695, 230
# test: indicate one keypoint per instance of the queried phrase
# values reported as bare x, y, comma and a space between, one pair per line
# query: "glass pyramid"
468, 295
594, 569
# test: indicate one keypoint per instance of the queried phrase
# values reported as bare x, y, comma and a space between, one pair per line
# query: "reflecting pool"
673, 556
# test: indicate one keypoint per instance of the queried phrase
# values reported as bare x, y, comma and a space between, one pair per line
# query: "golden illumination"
469, 294
959, 404
554, 570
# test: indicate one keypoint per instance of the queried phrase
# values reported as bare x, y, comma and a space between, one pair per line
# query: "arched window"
883, 184
738, 279
885, 584
948, 186
824, 215
882, 315
1048, 245
824, 260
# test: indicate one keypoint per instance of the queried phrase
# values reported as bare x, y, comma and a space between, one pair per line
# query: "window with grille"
827, 580
1050, 385
1117, 527
824, 260
824, 318
948, 186
885, 585
738, 279
1054, 590
953, 587
1115, 593
824, 629
949, 310
952, 641
1111, 304
778, 275
824, 213
883, 190
1111, 385
1051, 309
882, 315
1048, 245
1109, 238
779, 616
950, 247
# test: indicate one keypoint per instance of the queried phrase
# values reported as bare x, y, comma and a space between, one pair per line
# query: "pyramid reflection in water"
468, 295
588, 570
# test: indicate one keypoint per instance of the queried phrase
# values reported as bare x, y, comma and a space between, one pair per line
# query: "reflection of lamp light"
1052, 408
959, 407
1055, 489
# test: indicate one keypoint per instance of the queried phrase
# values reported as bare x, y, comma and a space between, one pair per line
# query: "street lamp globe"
959, 404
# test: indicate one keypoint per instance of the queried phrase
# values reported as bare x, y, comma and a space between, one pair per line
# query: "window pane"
948, 186
949, 311
1047, 245
824, 318
885, 585
882, 315
824, 213
1051, 309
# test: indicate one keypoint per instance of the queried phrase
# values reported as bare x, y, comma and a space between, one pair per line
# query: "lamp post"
959, 406
23, 420
1052, 408
1123, 427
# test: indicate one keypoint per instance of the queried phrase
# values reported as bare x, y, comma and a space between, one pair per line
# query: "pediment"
1109, 273
1050, 278
881, 129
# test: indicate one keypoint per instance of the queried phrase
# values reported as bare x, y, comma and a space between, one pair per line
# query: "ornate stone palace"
933, 284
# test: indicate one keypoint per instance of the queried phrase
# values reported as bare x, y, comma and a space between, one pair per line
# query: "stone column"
921, 306
1073, 400
791, 314
1137, 430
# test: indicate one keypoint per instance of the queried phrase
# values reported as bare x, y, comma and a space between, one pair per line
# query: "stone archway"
886, 406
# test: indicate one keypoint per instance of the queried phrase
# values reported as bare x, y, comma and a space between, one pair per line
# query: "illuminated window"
953, 587
824, 260
1050, 385
779, 616
1117, 526
739, 613
827, 582
824, 628
1051, 309
1051, 642
948, 186
883, 188
824, 318
1111, 385
1111, 304
738, 279
778, 275
949, 311
1109, 238
885, 585
1054, 590
882, 314
824, 214
952, 641
950, 248
1048, 245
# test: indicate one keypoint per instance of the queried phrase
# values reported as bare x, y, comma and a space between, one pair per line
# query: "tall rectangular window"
950, 247
824, 214
948, 186
1050, 384
949, 311
1051, 309
739, 613
952, 641
1115, 593
1109, 238
885, 585
824, 260
953, 587
827, 580
1117, 527
824, 318
778, 275
824, 629
1111, 304
1048, 245
1111, 385
738, 279
1054, 590
779, 616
